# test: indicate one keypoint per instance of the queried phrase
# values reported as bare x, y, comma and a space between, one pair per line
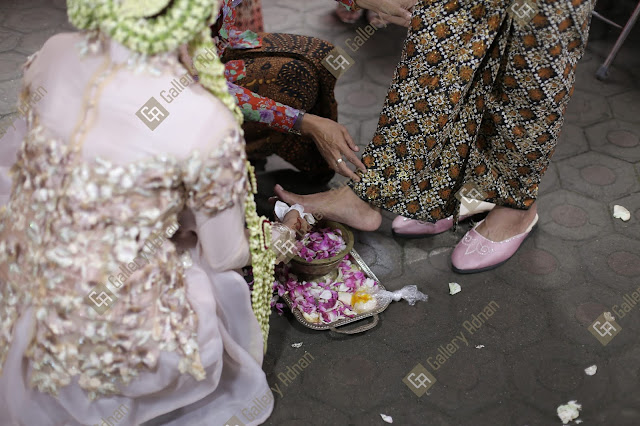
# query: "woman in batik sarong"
475, 108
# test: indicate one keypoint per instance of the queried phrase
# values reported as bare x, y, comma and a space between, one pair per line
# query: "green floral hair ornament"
155, 26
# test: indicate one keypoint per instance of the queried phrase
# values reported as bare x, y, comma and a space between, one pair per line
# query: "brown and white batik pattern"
477, 97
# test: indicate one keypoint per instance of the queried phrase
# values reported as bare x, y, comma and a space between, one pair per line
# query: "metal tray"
333, 326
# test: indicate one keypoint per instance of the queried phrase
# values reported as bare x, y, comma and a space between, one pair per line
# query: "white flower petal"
620, 212
296, 345
454, 288
386, 418
569, 411
591, 370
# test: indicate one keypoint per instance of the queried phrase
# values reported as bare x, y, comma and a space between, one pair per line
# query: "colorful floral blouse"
254, 106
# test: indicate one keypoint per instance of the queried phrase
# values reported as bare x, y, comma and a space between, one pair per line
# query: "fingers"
349, 140
353, 159
344, 170
395, 20
397, 11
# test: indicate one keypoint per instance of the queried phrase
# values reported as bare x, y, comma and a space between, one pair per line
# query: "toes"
286, 196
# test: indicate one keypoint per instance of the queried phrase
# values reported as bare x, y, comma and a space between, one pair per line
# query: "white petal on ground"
620, 212
454, 288
296, 345
479, 346
578, 421
591, 370
569, 411
609, 317
386, 418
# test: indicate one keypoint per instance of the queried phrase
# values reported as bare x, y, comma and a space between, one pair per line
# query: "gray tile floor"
580, 262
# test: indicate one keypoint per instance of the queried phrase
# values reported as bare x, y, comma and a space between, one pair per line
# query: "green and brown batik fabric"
477, 97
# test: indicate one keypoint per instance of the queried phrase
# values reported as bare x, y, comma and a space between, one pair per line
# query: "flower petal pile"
324, 301
323, 243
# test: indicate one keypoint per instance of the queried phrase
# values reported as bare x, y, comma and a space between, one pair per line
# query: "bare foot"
341, 205
503, 222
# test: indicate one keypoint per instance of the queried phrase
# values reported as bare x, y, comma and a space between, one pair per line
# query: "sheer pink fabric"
228, 336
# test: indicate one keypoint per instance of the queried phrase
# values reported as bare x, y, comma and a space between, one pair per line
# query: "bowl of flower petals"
347, 294
321, 250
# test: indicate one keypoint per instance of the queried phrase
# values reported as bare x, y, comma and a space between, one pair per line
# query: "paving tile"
618, 81
9, 91
32, 42
616, 138
550, 181
361, 99
8, 39
625, 106
587, 108
34, 19
551, 373
571, 216
571, 142
11, 67
598, 176
613, 260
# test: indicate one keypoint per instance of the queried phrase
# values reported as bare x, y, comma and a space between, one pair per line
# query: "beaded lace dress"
90, 187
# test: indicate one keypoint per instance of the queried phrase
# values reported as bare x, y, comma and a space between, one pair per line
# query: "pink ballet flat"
411, 228
475, 253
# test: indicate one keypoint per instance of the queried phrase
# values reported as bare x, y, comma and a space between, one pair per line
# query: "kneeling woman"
94, 185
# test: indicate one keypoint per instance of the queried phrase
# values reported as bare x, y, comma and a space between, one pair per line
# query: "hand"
394, 11
333, 142
293, 220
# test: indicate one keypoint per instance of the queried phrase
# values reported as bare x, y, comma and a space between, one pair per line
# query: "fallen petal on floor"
569, 411
386, 418
454, 288
620, 212
591, 370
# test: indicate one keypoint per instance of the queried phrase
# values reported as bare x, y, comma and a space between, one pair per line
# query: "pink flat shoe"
475, 253
411, 228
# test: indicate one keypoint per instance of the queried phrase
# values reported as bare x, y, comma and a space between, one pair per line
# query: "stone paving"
580, 262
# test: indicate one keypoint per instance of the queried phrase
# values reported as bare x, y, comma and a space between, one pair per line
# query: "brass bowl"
320, 267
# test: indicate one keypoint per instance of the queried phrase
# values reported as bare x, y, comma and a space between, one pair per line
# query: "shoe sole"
418, 236
488, 268
414, 236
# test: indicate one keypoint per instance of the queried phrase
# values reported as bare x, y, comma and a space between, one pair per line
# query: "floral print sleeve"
349, 4
260, 109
